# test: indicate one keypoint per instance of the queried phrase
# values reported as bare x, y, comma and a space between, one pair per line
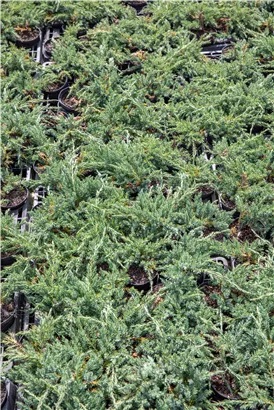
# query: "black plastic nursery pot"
28, 37
8, 312
17, 198
206, 191
47, 49
215, 51
56, 24
18, 169
8, 395
129, 67
48, 46
5, 364
7, 259
3, 394
203, 279
36, 206
228, 204
53, 92
222, 388
222, 260
48, 63
140, 279
67, 102
38, 167
82, 32
14, 315
138, 5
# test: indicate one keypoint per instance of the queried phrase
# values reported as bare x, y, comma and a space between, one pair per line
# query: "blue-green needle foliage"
159, 125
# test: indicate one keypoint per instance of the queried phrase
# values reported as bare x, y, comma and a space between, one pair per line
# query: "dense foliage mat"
156, 125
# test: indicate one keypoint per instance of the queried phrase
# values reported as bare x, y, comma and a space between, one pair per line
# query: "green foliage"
124, 181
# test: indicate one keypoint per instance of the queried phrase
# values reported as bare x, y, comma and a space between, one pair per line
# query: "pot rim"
146, 282
62, 94
48, 54
12, 207
224, 396
8, 322
33, 28
3, 401
5, 258
58, 90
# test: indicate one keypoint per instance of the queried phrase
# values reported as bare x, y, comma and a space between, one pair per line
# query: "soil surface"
49, 46
103, 266
224, 385
39, 168
3, 391
127, 65
152, 98
157, 287
242, 234
136, 3
203, 279
89, 173
206, 190
15, 196
218, 237
54, 86
6, 310
6, 254
246, 234
26, 35
138, 275
71, 102
209, 291
228, 203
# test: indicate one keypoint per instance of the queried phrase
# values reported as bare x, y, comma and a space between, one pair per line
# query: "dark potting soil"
241, 234
246, 234
3, 391
6, 254
209, 292
137, 274
157, 287
40, 168
6, 310
54, 86
49, 46
15, 196
103, 266
152, 98
218, 236
136, 3
228, 203
205, 189
26, 34
71, 102
83, 38
224, 385
126, 65
89, 173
